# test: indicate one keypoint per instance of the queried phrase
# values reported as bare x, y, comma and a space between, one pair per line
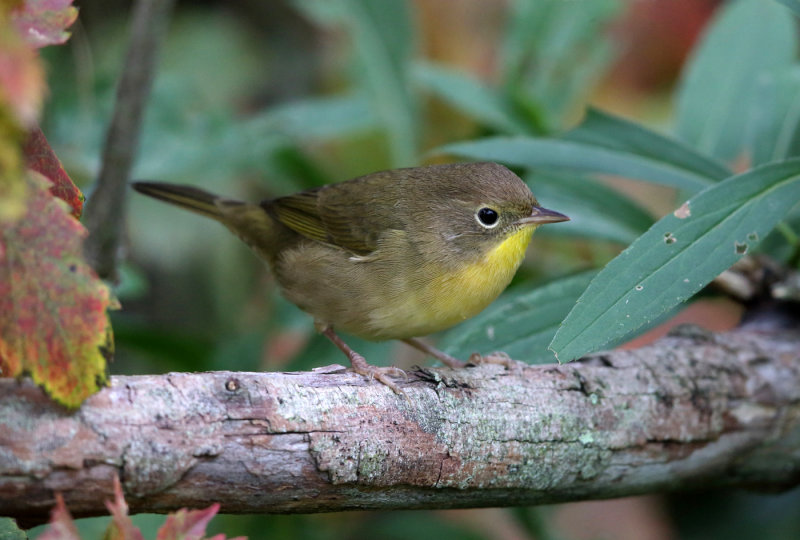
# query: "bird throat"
511, 251
459, 295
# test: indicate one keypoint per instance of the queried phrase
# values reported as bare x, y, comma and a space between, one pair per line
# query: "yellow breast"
455, 296
463, 294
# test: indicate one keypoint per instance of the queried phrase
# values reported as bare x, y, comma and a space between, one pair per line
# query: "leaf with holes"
678, 256
53, 321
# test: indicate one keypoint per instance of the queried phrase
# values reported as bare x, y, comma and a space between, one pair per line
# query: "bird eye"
487, 217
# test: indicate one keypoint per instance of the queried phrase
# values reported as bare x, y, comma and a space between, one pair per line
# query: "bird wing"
299, 212
352, 215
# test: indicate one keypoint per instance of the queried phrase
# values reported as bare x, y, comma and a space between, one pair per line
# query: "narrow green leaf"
318, 118
609, 131
526, 22
775, 122
555, 154
544, 36
718, 91
794, 5
595, 210
382, 37
519, 324
602, 144
678, 256
468, 95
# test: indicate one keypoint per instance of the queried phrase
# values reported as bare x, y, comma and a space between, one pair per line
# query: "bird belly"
380, 299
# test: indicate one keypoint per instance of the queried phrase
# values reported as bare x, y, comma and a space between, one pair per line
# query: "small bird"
396, 254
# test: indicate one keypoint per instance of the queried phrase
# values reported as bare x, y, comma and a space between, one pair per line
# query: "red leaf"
121, 526
45, 22
61, 526
41, 158
53, 320
190, 525
187, 524
22, 83
21, 89
182, 525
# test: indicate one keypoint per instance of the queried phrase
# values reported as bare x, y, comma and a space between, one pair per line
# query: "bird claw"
380, 374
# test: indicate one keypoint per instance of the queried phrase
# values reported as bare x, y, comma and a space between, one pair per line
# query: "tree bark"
694, 410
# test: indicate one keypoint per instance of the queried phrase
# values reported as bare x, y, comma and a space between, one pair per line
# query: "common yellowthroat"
395, 254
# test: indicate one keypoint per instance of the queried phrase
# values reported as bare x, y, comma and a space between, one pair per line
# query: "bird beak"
541, 215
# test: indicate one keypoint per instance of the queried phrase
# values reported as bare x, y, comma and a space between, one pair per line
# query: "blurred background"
259, 99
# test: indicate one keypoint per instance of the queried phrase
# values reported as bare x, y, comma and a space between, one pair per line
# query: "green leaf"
383, 43
775, 123
678, 256
718, 91
794, 5
320, 118
595, 210
608, 131
602, 144
468, 95
10, 531
554, 50
519, 324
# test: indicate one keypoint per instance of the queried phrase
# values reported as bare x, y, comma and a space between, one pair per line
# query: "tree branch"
105, 212
693, 410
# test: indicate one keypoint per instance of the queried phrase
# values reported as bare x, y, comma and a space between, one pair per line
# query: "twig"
105, 210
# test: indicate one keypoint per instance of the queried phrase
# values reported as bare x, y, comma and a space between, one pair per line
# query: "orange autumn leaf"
53, 321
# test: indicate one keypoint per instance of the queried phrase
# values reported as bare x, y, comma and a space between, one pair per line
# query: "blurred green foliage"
256, 100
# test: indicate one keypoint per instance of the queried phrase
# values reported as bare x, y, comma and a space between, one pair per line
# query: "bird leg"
361, 366
499, 357
430, 350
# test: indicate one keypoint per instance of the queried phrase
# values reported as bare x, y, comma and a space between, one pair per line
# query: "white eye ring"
488, 218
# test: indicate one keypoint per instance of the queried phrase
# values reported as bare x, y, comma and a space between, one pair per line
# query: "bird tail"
190, 198
250, 222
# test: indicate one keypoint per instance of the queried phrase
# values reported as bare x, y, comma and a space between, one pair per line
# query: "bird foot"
380, 374
497, 358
